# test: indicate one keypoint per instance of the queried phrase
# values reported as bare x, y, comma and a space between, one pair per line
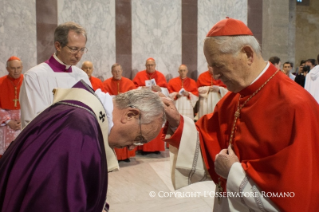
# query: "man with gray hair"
60, 161
260, 144
57, 72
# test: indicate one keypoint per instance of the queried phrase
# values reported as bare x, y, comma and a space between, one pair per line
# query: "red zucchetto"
229, 27
13, 58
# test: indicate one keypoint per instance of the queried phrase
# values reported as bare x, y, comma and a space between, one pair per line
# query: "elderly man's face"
14, 68
183, 71
71, 54
117, 72
150, 66
231, 69
87, 67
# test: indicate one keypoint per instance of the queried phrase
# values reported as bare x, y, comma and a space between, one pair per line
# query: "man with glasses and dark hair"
58, 71
60, 161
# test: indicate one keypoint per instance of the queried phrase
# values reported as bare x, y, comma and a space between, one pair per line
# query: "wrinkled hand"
15, 125
172, 115
178, 95
156, 88
214, 89
185, 93
224, 161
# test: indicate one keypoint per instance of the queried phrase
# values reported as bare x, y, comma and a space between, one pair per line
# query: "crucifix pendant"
237, 113
15, 102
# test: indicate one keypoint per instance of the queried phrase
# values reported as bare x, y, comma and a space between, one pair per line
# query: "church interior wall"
307, 31
154, 29
17, 33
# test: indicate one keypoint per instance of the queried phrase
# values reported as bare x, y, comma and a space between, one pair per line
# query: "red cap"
150, 58
13, 58
229, 27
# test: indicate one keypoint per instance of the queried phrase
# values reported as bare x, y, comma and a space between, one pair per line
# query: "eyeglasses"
139, 140
75, 50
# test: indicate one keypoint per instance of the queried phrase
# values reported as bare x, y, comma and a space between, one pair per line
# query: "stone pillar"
276, 29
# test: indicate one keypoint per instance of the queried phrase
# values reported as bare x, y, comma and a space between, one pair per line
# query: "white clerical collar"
261, 73
107, 102
57, 59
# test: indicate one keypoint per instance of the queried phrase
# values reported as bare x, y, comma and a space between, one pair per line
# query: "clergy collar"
268, 71
13, 79
57, 65
267, 66
116, 79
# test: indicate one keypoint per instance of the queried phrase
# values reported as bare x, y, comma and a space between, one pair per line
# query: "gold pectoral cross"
15, 102
237, 113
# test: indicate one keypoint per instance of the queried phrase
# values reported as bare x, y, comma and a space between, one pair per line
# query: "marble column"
17, 33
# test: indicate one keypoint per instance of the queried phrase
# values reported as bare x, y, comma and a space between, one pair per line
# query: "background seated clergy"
251, 143
57, 72
60, 161
210, 92
10, 124
88, 68
184, 92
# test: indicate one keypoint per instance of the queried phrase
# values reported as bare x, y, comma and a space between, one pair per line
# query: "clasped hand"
224, 160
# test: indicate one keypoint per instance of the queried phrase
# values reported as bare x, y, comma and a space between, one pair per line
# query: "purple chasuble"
56, 66
57, 163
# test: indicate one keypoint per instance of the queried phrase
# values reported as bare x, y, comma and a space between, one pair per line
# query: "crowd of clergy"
192, 99
24, 96
185, 92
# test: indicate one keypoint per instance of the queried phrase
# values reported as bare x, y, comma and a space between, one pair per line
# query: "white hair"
148, 102
233, 44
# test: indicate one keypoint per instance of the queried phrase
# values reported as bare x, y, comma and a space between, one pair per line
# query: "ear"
57, 46
249, 53
130, 114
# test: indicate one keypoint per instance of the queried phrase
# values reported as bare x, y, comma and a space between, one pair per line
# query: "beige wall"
307, 31
278, 29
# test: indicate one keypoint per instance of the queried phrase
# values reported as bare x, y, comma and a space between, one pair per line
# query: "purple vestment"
57, 163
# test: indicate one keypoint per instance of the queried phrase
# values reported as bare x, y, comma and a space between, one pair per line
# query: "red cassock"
207, 79
8, 93
97, 83
115, 87
176, 84
275, 138
157, 144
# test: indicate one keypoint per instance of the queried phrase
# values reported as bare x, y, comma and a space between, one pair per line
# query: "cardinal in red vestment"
88, 68
260, 138
184, 92
9, 103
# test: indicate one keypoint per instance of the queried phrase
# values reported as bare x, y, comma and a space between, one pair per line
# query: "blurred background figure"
183, 90
88, 68
210, 90
10, 124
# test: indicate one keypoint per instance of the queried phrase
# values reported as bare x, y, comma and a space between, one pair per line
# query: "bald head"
183, 70
87, 67
150, 65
